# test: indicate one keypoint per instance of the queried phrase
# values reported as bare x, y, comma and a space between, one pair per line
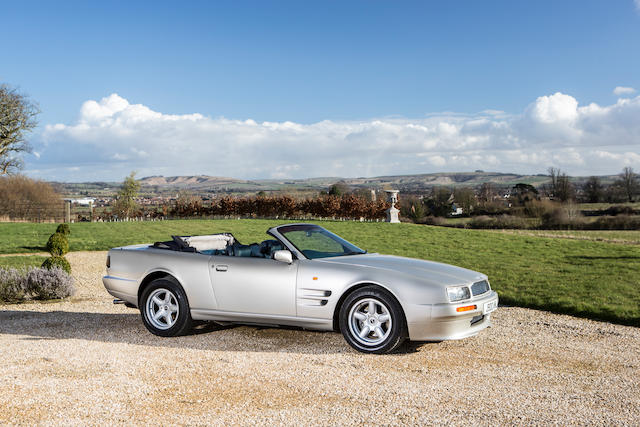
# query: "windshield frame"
283, 229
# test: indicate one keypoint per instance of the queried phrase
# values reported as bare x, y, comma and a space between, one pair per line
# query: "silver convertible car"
305, 276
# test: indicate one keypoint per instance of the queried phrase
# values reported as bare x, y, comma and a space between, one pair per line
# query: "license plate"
489, 307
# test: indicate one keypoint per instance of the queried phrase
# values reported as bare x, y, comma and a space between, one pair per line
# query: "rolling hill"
205, 184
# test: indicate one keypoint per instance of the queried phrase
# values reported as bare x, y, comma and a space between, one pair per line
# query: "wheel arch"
354, 287
154, 275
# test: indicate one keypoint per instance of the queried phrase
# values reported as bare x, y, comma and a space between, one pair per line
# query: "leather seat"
252, 250
255, 250
268, 247
262, 250
240, 250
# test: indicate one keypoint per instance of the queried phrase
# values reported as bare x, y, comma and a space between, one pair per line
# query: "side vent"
313, 297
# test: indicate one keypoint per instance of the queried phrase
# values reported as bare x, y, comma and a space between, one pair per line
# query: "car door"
254, 285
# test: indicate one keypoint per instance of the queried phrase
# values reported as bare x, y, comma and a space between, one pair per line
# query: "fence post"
67, 211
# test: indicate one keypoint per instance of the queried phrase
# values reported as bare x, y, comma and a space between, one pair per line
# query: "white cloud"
624, 90
112, 137
555, 108
437, 160
627, 158
637, 2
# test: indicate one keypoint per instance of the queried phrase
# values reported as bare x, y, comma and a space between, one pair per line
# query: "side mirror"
283, 256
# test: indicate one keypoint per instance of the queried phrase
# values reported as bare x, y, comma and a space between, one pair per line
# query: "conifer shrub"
64, 229
57, 262
58, 244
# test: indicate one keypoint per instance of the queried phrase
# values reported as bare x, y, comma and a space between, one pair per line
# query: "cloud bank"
113, 136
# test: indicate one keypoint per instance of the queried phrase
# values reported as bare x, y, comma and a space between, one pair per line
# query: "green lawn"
581, 277
21, 261
631, 237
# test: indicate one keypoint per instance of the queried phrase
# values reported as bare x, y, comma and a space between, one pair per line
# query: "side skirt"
262, 319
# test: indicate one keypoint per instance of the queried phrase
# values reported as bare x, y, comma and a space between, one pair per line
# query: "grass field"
586, 278
21, 261
631, 237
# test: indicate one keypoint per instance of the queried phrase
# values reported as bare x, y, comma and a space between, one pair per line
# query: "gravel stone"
87, 361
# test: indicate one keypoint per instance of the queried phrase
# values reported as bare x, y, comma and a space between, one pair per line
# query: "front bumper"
438, 322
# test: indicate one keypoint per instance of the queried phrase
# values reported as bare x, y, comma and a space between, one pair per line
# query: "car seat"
251, 250
268, 247
255, 251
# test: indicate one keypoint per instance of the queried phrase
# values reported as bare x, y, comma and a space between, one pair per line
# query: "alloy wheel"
370, 321
162, 309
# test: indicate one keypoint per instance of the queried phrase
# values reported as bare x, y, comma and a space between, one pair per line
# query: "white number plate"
489, 307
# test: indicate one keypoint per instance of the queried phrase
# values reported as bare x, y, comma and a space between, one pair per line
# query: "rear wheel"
165, 309
372, 321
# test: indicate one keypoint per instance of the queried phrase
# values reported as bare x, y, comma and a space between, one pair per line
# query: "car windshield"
316, 242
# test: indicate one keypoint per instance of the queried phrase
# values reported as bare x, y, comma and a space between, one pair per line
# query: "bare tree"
593, 189
17, 117
564, 188
487, 192
560, 187
465, 198
28, 199
629, 183
551, 188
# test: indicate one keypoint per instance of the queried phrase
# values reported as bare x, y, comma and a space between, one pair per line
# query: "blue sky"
371, 71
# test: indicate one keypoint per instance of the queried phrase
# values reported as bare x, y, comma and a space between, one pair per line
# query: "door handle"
221, 268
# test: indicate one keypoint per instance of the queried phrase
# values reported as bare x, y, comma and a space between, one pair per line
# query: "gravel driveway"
86, 361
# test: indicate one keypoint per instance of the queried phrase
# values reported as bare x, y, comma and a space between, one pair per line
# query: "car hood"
428, 271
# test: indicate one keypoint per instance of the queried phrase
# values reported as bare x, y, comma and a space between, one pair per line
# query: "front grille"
480, 288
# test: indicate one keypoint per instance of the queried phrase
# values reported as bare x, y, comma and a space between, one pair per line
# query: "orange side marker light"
466, 308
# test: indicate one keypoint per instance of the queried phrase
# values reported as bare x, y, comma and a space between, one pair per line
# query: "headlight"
458, 293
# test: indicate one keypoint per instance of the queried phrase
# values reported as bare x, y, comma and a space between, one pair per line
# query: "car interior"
221, 244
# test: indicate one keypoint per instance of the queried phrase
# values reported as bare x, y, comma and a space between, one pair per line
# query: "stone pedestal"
392, 212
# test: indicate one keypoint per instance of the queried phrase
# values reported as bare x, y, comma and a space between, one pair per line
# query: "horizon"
140, 178
290, 90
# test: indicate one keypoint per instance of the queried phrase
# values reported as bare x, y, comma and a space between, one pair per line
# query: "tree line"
520, 199
624, 189
347, 206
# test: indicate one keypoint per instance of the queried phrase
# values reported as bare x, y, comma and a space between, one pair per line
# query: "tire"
378, 333
164, 309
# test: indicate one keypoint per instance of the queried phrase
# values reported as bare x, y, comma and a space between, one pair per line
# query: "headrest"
268, 247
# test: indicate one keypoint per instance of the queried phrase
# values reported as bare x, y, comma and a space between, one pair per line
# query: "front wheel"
165, 309
372, 321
